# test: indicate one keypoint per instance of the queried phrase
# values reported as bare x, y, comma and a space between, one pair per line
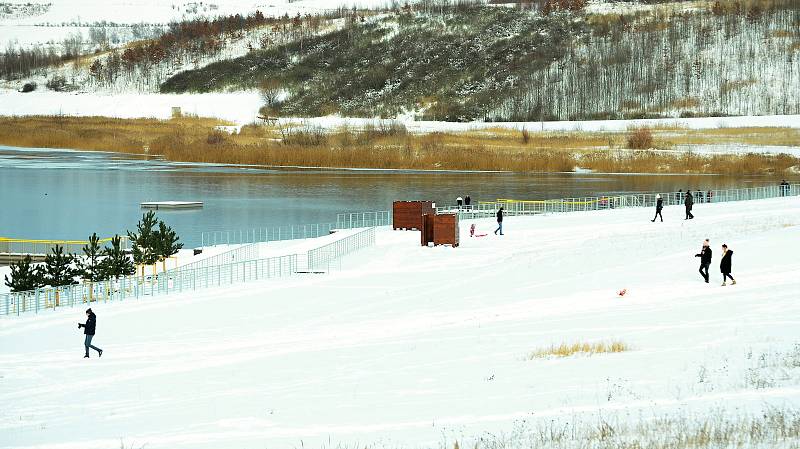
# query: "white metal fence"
240, 253
363, 219
320, 258
352, 220
527, 207
256, 235
186, 278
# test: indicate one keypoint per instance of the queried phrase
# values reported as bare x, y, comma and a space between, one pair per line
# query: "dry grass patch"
716, 428
193, 139
569, 349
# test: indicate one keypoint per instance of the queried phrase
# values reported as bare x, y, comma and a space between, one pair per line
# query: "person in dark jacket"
688, 202
725, 265
499, 222
659, 206
88, 330
705, 259
467, 201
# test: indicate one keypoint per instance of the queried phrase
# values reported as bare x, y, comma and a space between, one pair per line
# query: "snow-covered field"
62, 15
419, 347
239, 107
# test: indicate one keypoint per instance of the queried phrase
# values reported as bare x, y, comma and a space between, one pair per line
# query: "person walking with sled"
88, 330
688, 202
659, 206
725, 265
705, 259
499, 222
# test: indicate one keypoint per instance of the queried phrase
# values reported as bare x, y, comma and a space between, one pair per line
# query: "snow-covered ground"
419, 347
239, 107
51, 20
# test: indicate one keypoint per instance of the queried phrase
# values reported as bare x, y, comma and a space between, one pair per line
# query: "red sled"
472, 232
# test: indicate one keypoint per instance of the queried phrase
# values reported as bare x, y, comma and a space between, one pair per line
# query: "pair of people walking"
688, 202
88, 331
724, 264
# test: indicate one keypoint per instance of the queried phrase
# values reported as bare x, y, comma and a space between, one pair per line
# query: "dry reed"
193, 139
568, 349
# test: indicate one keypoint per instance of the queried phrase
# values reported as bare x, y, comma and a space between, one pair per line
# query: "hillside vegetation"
498, 63
456, 64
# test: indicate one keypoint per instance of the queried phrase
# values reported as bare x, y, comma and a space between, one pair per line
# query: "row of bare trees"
734, 58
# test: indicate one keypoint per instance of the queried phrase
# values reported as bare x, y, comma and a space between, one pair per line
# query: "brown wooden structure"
426, 233
408, 214
445, 230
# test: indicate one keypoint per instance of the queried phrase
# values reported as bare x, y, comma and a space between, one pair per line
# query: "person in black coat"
725, 265
688, 202
88, 330
705, 259
659, 206
499, 222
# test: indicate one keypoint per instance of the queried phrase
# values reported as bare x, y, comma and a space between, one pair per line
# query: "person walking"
700, 197
459, 202
705, 259
725, 265
88, 330
784, 187
659, 206
710, 196
679, 196
688, 202
499, 222
467, 201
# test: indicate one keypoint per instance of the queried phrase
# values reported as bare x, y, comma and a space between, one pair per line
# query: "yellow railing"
44, 246
510, 201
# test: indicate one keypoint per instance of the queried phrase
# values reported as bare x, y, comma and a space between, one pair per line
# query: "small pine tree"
167, 241
116, 262
24, 276
144, 243
90, 268
58, 268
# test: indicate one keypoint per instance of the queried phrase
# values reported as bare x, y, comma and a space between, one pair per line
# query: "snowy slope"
418, 347
61, 17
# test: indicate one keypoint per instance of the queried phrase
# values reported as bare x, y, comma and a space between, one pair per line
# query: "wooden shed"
445, 229
408, 214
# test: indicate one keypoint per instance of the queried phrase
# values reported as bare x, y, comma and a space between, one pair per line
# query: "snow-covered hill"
46, 20
420, 347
